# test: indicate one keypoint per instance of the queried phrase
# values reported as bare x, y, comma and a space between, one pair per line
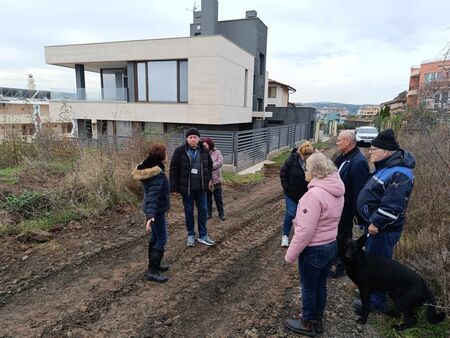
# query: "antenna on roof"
194, 8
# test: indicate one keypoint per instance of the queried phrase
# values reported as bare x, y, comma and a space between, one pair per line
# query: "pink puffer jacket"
217, 158
318, 215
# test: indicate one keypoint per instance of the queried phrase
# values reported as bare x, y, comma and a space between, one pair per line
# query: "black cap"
386, 140
192, 131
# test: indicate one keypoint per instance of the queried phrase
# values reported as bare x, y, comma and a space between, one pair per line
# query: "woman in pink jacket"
215, 187
314, 242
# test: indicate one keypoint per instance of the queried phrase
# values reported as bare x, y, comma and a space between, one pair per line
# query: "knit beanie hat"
192, 131
386, 140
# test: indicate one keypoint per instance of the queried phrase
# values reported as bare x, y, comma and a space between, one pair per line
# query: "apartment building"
368, 112
23, 112
429, 85
212, 79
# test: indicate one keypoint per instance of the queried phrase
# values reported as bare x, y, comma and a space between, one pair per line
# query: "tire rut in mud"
79, 296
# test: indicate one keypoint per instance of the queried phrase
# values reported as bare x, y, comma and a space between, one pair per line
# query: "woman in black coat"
292, 176
155, 206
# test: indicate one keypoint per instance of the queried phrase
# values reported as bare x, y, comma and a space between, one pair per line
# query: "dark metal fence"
241, 149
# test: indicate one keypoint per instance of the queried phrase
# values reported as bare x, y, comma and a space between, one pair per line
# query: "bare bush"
102, 175
426, 241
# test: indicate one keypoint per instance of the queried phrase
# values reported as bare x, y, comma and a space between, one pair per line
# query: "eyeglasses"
373, 149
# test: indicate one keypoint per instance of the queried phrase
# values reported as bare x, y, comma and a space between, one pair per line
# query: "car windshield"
367, 130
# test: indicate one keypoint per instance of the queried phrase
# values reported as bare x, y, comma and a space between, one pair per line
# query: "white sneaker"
285, 241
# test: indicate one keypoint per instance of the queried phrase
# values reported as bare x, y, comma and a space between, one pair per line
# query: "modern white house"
206, 80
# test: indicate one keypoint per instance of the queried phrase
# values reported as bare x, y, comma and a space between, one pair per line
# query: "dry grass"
425, 244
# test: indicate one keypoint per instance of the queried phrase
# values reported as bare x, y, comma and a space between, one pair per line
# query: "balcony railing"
89, 94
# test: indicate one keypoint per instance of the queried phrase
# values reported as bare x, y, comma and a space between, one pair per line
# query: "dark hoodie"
156, 187
384, 199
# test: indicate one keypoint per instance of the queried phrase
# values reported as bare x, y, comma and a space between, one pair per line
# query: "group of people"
324, 200
339, 195
195, 173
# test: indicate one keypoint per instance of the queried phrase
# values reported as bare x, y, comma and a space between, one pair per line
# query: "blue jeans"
381, 244
313, 265
158, 236
291, 210
199, 197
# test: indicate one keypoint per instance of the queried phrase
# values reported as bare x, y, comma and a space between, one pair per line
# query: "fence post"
267, 141
279, 137
235, 149
253, 145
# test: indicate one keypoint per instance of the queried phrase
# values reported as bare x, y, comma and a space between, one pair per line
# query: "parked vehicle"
364, 135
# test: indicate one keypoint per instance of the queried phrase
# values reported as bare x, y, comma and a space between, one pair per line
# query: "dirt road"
88, 281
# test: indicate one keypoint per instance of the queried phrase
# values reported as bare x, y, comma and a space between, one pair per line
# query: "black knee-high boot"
162, 266
153, 273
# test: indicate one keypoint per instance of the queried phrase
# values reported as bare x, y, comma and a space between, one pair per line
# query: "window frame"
178, 79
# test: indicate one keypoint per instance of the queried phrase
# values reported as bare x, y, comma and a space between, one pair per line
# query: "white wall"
216, 73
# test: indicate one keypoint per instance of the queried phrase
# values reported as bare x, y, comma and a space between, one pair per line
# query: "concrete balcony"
152, 112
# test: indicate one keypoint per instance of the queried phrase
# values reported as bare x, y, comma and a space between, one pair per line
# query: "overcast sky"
348, 51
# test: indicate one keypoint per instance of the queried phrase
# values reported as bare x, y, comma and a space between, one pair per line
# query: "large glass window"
429, 77
141, 82
162, 81
113, 84
183, 81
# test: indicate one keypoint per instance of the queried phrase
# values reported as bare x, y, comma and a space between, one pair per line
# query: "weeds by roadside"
421, 330
60, 180
242, 179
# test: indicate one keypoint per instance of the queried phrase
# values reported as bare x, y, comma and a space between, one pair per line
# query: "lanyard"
193, 153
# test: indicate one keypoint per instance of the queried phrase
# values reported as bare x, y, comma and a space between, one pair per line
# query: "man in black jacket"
354, 172
190, 174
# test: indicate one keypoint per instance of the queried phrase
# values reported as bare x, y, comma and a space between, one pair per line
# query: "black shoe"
162, 267
156, 277
301, 326
222, 217
155, 266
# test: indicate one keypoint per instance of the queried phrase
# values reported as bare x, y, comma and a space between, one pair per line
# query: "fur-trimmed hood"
147, 173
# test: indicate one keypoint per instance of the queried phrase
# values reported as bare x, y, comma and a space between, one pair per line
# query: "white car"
366, 134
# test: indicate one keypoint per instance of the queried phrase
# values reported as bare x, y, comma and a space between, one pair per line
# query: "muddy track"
80, 291
240, 287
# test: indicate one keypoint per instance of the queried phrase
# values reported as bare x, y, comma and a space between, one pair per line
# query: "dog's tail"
432, 316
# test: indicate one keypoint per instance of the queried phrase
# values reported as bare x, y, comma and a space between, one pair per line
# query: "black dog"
406, 288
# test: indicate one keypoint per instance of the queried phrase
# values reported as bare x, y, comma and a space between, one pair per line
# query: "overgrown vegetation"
8, 175
425, 244
421, 330
57, 180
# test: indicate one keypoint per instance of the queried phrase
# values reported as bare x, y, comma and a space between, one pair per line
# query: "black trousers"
345, 230
217, 197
